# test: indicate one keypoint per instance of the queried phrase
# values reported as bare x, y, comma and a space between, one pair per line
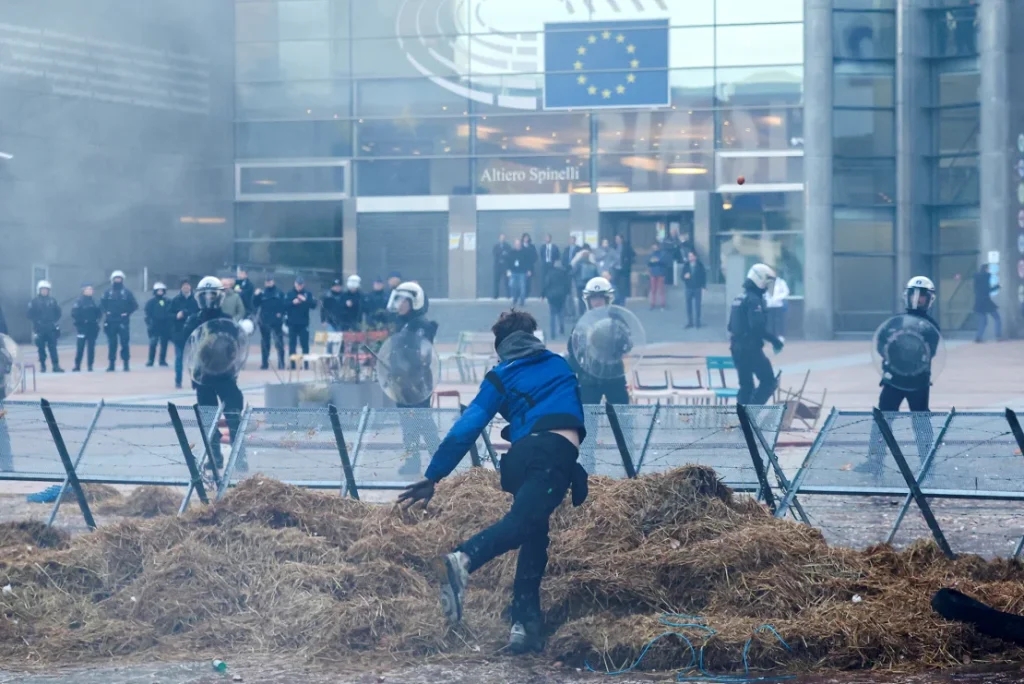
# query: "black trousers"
115, 334
85, 344
47, 342
890, 399
612, 390
537, 471
159, 338
750, 364
268, 333
693, 303
299, 333
499, 277
228, 394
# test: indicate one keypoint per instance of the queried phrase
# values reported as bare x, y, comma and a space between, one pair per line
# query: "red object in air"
741, 180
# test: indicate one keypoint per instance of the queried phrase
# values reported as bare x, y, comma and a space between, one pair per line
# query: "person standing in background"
351, 317
245, 289
696, 278
983, 304
517, 274
232, 303
556, 290
331, 306
394, 280
568, 256
776, 305
658, 264
500, 254
375, 305
183, 306
271, 307
118, 304
624, 274
86, 314
529, 256
45, 313
158, 324
608, 260
549, 256
300, 303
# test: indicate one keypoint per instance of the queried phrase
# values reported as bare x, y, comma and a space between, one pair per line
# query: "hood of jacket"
519, 345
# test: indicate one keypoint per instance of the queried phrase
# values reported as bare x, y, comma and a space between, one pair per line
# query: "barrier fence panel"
27, 451
599, 453
202, 428
295, 445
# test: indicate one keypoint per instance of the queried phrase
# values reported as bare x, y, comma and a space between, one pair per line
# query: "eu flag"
606, 64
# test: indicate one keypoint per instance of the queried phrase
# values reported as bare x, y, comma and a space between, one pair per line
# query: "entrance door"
642, 229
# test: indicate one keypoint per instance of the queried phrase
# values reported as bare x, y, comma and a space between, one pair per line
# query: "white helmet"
115, 275
159, 286
920, 293
598, 286
43, 283
353, 282
210, 293
763, 277
410, 291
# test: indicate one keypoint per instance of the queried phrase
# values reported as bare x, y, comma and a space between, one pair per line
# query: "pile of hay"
276, 569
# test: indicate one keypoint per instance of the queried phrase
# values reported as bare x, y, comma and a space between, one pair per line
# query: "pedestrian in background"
245, 289
375, 305
500, 254
300, 303
983, 304
118, 304
159, 324
658, 265
695, 276
232, 303
556, 291
776, 304
45, 313
529, 256
183, 306
86, 314
624, 274
549, 256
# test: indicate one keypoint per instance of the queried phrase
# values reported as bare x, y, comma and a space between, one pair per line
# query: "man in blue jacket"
537, 393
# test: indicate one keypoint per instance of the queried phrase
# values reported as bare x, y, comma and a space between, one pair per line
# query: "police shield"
908, 351
9, 376
407, 368
605, 341
216, 350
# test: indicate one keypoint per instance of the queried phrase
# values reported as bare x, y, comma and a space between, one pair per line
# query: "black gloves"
414, 493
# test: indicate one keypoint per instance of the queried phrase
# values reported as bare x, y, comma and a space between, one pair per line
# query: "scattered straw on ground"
276, 569
94, 493
145, 502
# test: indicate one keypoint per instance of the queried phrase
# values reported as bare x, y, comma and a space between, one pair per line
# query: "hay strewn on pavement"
276, 569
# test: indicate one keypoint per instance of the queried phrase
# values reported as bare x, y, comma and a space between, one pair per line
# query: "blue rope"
679, 621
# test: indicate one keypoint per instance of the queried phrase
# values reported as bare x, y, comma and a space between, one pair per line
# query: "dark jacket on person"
932, 336
659, 263
86, 314
375, 308
698, 279
556, 254
188, 306
519, 261
627, 255
45, 313
556, 284
342, 310
406, 358
983, 290
748, 321
298, 314
532, 388
272, 306
159, 317
568, 254
501, 253
529, 257
246, 290
118, 303
229, 326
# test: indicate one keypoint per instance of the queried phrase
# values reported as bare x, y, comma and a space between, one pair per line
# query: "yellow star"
581, 79
606, 35
620, 89
630, 78
631, 49
581, 50
591, 39
634, 63
620, 38
592, 90
606, 93
577, 65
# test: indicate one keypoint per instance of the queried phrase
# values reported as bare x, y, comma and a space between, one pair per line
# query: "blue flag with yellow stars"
606, 64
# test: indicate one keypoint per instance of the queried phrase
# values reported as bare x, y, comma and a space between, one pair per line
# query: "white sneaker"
454, 579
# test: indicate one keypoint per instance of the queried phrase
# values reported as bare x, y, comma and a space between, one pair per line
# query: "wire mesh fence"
26, 445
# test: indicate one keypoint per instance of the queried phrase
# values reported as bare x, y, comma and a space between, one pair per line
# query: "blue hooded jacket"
532, 388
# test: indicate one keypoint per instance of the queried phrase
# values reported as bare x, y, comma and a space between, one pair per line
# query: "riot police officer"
86, 314
915, 389
45, 313
183, 306
599, 293
300, 302
270, 305
159, 324
748, 331
118, 304
245, 289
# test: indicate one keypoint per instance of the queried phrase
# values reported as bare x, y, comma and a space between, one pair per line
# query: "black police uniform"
405, 361
246, 290
375, 308
748, 331
160, 326
298, 320
223, 387
186, 307
45, 313
271, 307
118, 303
86, 314
332, 311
